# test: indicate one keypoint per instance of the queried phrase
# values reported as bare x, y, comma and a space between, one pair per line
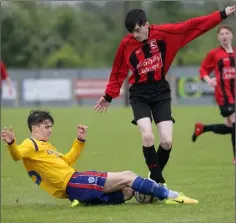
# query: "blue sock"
146, 186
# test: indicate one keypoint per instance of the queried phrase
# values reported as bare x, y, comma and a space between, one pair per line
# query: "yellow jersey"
48, 168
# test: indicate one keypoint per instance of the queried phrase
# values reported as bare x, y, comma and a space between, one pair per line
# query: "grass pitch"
202, 170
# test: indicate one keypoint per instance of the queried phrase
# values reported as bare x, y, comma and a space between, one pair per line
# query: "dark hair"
135, 17
37, 117
224, 27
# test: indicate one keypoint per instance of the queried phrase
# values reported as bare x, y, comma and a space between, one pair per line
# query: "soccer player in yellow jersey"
53, 171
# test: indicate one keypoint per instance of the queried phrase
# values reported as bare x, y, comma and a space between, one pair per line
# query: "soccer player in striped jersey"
148, 52
53, 172
221, 61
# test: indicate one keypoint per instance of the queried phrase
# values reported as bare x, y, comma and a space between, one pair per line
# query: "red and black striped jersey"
223, 65
150, 60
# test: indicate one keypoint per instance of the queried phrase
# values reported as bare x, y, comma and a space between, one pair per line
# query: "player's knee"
128, 177
232, 118
129, 174
228, 123
148, 139
128, 193
166, 143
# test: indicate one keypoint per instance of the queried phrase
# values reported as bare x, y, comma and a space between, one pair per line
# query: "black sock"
218, 129
153, 164
233, 137
163, 156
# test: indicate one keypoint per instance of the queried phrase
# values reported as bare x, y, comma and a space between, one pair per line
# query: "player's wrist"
80, 139
108, 98
10, 143
223, 14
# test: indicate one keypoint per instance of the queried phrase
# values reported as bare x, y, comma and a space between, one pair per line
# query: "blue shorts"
87, 187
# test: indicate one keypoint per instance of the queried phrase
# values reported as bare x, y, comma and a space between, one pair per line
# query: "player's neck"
37, 137
228, 48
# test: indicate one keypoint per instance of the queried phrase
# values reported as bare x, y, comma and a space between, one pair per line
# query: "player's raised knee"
148, 139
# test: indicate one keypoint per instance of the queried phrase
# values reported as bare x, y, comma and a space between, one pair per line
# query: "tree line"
47, 35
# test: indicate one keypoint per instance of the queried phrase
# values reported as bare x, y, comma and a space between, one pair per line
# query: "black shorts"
227, 110
152, 100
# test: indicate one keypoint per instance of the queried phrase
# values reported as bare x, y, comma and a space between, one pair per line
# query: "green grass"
203, 170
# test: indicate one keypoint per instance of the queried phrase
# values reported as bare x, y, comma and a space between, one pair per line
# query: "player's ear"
34, 128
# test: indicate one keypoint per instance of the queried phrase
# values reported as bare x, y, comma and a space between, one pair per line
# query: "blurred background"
67, 49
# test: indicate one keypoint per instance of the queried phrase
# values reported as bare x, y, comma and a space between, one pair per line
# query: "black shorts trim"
172, 119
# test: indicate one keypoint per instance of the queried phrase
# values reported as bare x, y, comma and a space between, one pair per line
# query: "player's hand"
101, 105
81, 131
212, 82
8, 135
230, 10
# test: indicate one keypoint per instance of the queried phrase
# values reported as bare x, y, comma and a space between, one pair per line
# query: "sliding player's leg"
108, 188
117, 181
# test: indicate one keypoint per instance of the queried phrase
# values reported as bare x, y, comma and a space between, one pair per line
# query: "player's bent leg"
93, 188
86, 186
150, 187
129, 179
149, 152
221, 129
118, 181
121, 180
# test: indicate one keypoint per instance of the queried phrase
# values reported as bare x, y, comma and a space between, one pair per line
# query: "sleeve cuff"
223, 14
203, 75
108, 97
11, 143
81, 140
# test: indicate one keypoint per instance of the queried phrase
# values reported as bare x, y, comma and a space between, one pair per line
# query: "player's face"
225, 37
44, 130
140, 33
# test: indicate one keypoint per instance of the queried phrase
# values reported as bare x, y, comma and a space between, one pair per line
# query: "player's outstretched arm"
8, 137
17, 152
118, 74
180, 34
77, 146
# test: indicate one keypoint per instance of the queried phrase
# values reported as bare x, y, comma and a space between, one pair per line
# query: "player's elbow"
71, 162
16, 158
